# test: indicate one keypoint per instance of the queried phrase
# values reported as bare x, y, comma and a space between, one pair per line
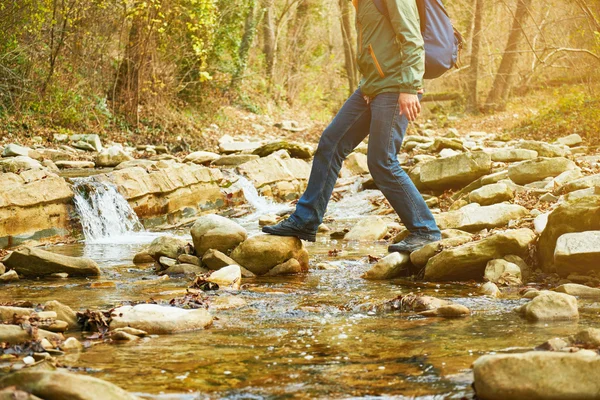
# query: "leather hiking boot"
288, 228
412, 243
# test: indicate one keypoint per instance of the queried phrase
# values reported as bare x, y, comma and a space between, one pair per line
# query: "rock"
296, 150
201, 157
11, 393
408, 303
229, 277
538, 169
63, 313
2, 268
491, 194
156, 319
122, 336
470, 260
8, 313
142, 258
447, 311
579, 215
131, 331
166, 262
33, 262
563, 178
184, 269
92, 140
234, 159
420, 257
490, 289
581, 291
440, 143
189, 259
368, 229
589, 338
474, 217
74, 164
570, 141
456, 171
290, 267
14, 334
356, 163
14, 150
216, 232
391, 266
71, 344
577, 252
586, 182
513, 155
554, 344
216, 260
290, 125
17, 164
550, 306
112, 157
261, 253
543, 149
502, 272
236, 147
64, 385
166, 246
9, 276
265, 220
518, 261
537, 375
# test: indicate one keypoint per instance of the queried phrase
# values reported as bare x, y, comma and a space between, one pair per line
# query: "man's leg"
349, 127
387, 132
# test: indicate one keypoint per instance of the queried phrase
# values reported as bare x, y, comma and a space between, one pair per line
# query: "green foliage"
573, 113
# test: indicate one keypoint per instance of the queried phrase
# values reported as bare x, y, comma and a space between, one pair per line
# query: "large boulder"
421, 256
491, 194
33, 262
18, 164
112, 156
539, 169
15, 334
456, 171
54, 385
577, 290
216, 232
156, 319
577, 252
261, 253
166, 246
586, 182
474, 217
537, 375
368, 229
470, 260
550, 306
579, 215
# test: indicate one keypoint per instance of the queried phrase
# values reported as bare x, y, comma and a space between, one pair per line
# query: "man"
391, 60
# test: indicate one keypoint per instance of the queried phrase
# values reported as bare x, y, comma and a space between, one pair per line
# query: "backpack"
443, 42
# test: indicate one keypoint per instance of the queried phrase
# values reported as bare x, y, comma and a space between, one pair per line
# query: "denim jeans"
381, 120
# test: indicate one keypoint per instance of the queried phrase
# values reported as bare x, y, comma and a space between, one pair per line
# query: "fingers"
410, 106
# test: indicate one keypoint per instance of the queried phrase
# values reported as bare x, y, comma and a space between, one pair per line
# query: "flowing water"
308, 336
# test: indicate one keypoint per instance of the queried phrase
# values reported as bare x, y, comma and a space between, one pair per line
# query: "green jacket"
391, 56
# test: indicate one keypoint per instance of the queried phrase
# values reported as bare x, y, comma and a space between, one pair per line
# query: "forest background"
163, 70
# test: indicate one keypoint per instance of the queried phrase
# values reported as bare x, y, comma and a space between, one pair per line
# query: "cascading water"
103, 211
261, 204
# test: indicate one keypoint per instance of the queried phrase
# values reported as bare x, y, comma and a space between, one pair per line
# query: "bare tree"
349, 52
473, 72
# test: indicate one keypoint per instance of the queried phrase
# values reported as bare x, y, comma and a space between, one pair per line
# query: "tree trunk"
298, 42
473, 73
349, 53
245, 45
504, 77
269, 46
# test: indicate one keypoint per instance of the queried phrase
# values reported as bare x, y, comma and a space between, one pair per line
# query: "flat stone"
590, 181
589, 337
296, 150
14, 150
235, 159
202, 157
273, 169
469, 260
63, 313
370, 228
565, 177
491, 194
420, 257
456, 171
539, 169
229, 277
447, 311
550, 306
570, 140
18, 164
184, 269
74, 164
156, 319
543, 149
14, 334
111, 157
92, 141
236, 147
537, 375
579, 290
389, 267
474, 217
513, 155
577, 252
33, 262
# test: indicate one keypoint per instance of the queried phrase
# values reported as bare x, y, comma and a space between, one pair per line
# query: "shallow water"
298, 337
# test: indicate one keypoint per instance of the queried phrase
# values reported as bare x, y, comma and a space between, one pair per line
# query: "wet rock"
90, 142
356, 163
166, 246
189, 259
201, 157
266, 220
447, 311
579, 215
7, 313
368, 229
166, 262
9, 276
15, 334
550, 306
63, 313
389, 267
525, 269
226, 303
474, 217
184, 269
538, 169
408, 303
554, 344
582, 291
229, 277
71, 344
234, 159
543, 149
13, 394
111, 157
420, 257
131, 331
456, 171
490, 289
537, 375
296, 150
586, 182
469, 260
491, 194
513, 155
216, 260
74, 164
64, 385
261, 253
588, 338
17, 164
216, 232
440, 143
290, 267
142, 258
502, 272
122, 336
33, 262
156, 319
2, 268
577, 252
570, 140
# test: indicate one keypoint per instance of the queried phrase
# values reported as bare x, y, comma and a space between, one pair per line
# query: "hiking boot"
412, 243
288, 228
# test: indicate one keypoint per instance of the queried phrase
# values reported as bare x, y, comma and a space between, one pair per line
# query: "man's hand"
409, 105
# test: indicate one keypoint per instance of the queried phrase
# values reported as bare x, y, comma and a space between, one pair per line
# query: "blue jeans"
381, 120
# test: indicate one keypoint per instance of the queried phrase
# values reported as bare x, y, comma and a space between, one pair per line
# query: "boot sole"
300, 235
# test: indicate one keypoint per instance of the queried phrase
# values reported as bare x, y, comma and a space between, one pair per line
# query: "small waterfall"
103, 211
261, 204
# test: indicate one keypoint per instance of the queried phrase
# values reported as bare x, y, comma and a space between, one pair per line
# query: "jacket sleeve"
404, 17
